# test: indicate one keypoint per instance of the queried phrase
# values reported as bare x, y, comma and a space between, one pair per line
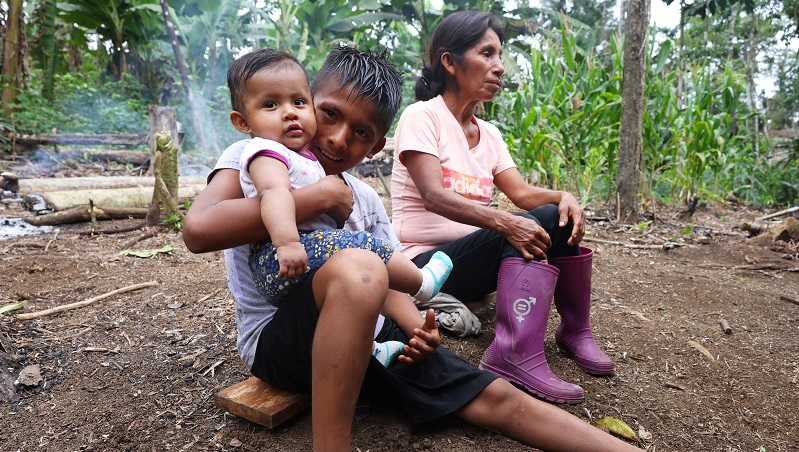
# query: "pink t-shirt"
431, 128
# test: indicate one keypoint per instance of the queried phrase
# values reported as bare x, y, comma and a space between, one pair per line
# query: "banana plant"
309, 30
127, 24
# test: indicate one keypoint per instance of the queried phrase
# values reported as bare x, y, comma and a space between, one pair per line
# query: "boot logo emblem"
525, 285
522, 307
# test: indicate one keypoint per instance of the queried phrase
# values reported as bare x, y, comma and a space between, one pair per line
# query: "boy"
272, 102
327, 340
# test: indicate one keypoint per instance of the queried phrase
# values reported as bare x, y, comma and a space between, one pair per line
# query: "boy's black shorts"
428, 390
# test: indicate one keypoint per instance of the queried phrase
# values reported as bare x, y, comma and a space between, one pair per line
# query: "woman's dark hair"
456, 34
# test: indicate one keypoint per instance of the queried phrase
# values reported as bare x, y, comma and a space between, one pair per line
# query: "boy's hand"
424, 342
293, 260
339, 195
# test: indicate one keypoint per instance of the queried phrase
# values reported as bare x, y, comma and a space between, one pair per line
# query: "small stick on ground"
777, 214
664, 246
725, 326
80, 304
789, 300
93, 217
114, 231
751, 267
213, 366
146, 235
673, 386
55, 237
702, 350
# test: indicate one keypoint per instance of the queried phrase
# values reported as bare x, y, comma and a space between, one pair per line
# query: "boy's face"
347, 130
278, 106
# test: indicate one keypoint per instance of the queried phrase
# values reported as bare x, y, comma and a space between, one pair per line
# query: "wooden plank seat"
257, 401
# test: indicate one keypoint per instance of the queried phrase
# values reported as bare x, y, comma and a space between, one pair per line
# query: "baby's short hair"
243, 68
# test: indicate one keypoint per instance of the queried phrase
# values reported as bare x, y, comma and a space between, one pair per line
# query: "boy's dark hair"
369, 73
456, 34
244, 67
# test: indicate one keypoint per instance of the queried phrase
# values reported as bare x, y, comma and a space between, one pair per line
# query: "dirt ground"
137, 371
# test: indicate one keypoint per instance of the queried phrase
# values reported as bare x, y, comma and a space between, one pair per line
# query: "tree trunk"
162, 119
184, 77
630, 132
731, 39
622, 12
681, 56
12, 55
750, 82
165, 172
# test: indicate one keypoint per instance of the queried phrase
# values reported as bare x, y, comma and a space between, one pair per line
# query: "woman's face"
479, 75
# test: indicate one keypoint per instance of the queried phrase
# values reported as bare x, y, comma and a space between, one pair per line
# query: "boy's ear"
381, 143
240, 122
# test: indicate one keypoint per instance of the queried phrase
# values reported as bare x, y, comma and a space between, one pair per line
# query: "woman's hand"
569, 208
528, 237
424, 342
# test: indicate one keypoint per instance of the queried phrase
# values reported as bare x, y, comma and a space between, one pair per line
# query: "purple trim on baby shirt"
272, 154
310, 156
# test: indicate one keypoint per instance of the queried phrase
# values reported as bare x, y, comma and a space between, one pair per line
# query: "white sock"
385, 352
433, 276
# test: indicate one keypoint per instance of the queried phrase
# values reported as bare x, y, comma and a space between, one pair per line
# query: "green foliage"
563, 124
81, 106
175, 221
559, 113
5, 130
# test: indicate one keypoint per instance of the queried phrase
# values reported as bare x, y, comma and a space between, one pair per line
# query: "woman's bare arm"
525, 235
527, 197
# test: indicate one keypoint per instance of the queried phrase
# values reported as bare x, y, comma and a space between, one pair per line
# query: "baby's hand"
424, 342
293, 260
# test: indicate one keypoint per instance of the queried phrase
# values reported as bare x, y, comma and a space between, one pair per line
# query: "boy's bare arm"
220, 217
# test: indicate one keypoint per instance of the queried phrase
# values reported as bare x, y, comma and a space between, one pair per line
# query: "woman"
445, 164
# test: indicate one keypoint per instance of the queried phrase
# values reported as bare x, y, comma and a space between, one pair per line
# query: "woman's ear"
240, 122
448, 61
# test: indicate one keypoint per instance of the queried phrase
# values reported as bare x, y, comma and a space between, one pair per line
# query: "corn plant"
563, 121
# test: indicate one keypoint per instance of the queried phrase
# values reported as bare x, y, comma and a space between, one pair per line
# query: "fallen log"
116, 197
76, 139
83, 213
103, 155
40, 185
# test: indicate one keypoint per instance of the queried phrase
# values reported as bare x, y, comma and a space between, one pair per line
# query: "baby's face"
279, 106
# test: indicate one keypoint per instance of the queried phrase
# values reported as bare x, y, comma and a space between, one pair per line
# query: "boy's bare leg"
505, 408
349, 289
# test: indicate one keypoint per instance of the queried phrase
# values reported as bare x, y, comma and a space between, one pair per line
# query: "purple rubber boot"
524, 296
573, 300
